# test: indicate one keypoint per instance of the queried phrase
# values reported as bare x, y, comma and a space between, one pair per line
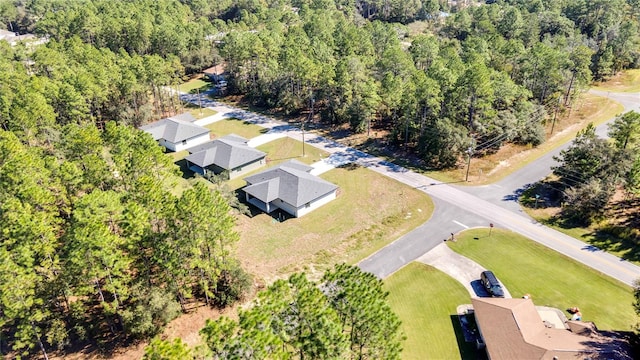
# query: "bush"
149, 313
586, 203
233, 284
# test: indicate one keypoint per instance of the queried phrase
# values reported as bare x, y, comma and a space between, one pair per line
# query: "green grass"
371, 211
177, 156
235, 126
286, 148
193, 85
425, 299
616, 239
202, 113
526, 267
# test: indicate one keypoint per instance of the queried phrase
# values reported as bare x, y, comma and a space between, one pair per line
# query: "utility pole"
555, 114
199, 102
470, 153
311, 102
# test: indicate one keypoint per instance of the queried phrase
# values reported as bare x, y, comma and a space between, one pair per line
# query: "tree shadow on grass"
621, 237
615, 239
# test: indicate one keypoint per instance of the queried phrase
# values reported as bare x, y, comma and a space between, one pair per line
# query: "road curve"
455, 210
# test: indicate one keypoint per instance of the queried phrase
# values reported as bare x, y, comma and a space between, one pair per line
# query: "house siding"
303, 210
196, 140
246, 168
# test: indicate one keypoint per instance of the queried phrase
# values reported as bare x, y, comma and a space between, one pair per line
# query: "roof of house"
290, 182
228, 152
175, 129
215, 70
513, 329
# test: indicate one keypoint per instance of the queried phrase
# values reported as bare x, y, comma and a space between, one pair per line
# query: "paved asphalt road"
458, 208
497, 203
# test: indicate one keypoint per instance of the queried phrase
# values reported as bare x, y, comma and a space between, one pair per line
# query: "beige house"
513, 329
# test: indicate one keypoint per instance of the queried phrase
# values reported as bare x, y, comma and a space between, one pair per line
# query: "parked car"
491, 283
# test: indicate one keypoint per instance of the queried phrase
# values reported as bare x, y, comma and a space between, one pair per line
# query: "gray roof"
289, 182
175, 129
208, 145
228, 152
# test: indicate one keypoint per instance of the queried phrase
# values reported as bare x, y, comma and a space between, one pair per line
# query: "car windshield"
496, 289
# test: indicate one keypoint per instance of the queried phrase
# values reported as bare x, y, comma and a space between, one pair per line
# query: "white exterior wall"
303, 210
169, 145
201, 139
246, 168
284, 206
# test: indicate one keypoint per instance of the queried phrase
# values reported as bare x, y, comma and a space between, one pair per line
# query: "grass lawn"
626, 81
526, 267
193, 85
371, 210
177, 156
600, 234
425, 299
235, 126
286, 148
201, 113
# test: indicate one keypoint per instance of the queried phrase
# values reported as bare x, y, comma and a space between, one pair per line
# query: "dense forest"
95, 242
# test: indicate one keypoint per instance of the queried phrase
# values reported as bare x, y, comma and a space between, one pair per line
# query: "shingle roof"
228, 152
175, 129
290, 182
513, 329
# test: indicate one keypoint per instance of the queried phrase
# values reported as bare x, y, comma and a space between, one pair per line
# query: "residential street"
456, 207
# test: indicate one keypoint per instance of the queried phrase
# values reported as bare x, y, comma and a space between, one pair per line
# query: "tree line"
96, 246
478, 77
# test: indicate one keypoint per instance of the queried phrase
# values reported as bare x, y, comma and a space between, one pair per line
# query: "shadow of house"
230, 155
513, 329
177, 133
289, 187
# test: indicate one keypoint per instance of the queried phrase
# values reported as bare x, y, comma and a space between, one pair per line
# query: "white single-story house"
514, 329
177, 133
290, 187
229, 154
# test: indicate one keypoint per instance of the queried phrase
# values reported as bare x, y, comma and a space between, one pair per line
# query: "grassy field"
370, 211
604, 234
627, 81
552, 279
425, 299
235, 126
286, 148
201, 113
193, 85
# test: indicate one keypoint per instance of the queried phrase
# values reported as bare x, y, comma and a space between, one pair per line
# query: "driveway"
456, 209
466, 271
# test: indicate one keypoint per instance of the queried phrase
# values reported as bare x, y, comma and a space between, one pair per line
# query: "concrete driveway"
466, 271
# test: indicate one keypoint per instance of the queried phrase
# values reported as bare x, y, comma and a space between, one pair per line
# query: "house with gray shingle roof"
177, 132
228, 155
290, 187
